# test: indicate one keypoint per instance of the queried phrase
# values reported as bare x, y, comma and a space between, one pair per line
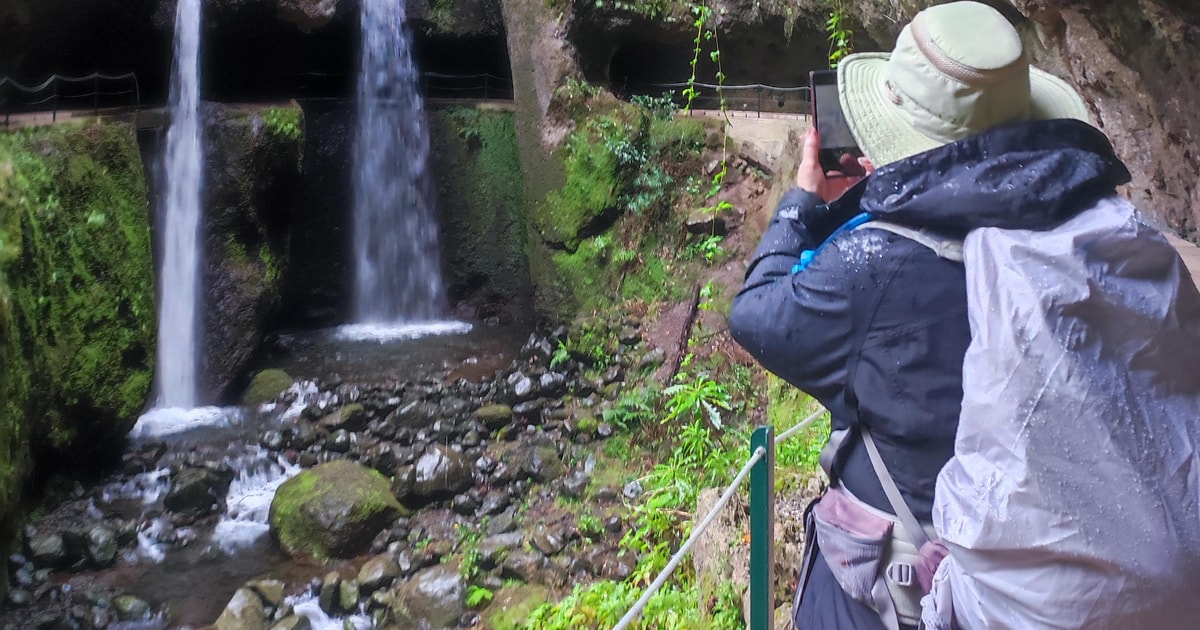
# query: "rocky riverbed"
489, 479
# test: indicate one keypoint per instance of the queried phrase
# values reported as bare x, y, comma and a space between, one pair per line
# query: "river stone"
575, 484
415, 415
293, 622
265, 387
327, 594
378, 572
553, 384
441, 473
130, 608
522, 565
270, 591
332, 510
539, 463
433, 596
197, 491
49, 550
348, 593
243, 612
101, 546
493, 549
351, 418
548, 540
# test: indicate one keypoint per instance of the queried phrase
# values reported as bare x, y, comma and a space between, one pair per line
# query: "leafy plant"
282, 122
708, 248
662, 107
631, 409
561, 355
693, 398
840, 36
478, 596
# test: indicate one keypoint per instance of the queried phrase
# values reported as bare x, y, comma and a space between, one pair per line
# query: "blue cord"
808, 255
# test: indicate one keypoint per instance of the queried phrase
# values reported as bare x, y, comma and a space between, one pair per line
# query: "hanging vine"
840, 36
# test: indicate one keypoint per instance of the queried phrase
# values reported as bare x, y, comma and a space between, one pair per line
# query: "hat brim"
885, 134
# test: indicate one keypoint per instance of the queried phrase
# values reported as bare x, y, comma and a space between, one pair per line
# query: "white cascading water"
179, 278
177, 320
398, 284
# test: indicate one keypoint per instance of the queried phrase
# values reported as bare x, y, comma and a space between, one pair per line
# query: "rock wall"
77, 312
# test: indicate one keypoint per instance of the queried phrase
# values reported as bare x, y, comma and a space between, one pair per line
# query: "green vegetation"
284, 122
483, 204
840, 36
78, 288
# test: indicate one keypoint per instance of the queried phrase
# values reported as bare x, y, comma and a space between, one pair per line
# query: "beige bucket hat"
957, 69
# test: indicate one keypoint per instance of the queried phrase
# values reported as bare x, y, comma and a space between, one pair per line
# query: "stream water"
192, 570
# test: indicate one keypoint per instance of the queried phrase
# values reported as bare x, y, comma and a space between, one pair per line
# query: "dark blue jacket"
875, 327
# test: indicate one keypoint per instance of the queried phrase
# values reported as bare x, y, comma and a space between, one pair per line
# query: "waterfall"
397, 274
178, 282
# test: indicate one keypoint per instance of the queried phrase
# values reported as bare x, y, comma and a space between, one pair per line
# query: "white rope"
800, 427
634, 612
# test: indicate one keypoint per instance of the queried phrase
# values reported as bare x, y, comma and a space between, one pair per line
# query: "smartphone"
830, 120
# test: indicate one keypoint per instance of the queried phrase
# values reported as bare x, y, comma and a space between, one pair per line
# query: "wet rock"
494, 502
493, 549
384, 458
350, 418
537, 347
629, 336
293, 622
414, 415
522, 565
404, 485
613, 374
574, 484
604, 430
652, 359
523, 387
130, 608
378, 572
332, 510
266, 386
50, 550
329, 592
197, 491
465, 504
101, 546
502, 523
539, 463
272, 440
632, 490
472, 439
269, 591
452, 407
433, 596
548, 539
348, 593
441, 473
243, 612
552, 384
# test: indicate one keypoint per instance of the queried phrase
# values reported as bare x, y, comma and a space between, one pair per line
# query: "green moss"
512, 605
83, 282
481, 201
305, 505
266, 386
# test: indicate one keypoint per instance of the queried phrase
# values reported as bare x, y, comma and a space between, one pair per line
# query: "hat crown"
958, 69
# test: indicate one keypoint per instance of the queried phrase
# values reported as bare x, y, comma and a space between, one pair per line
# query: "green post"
762, 531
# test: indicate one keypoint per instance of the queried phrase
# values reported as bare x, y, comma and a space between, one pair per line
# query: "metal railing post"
762, 532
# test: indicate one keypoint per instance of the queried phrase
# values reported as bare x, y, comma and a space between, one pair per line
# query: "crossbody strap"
944, 246
916, 533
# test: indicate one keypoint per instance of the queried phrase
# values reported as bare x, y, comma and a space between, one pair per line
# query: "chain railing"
59, 92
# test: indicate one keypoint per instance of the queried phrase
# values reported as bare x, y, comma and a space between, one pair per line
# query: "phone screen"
836, 137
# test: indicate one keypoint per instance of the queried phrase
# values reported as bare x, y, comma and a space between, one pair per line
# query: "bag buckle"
901, 573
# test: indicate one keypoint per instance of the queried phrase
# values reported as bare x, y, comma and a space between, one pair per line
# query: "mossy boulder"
332, 511
266, 386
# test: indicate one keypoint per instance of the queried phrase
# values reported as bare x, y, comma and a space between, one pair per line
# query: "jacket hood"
1030, 175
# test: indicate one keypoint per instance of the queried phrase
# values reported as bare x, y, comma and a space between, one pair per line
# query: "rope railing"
750, 97
761, 468
12, 93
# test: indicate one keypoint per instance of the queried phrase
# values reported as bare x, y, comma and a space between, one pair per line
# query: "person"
958, 132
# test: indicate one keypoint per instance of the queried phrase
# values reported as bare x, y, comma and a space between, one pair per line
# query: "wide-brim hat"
957, 69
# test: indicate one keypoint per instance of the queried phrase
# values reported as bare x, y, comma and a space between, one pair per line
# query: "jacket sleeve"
798, 325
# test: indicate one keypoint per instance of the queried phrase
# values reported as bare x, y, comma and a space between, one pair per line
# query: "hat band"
956, 69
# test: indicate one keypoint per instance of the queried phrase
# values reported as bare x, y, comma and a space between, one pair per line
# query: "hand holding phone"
825, 183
